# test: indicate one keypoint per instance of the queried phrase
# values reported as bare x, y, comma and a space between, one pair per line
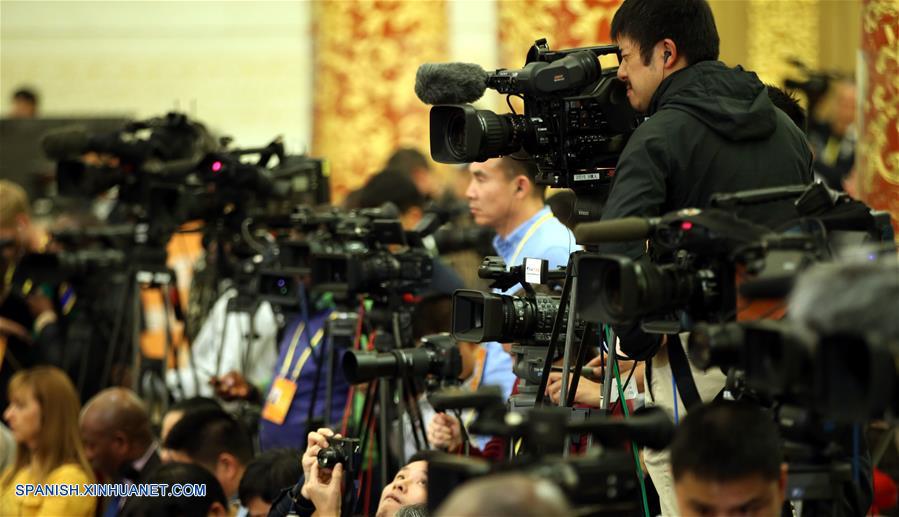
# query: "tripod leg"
168, 345
607, 382
136, 350
569, 339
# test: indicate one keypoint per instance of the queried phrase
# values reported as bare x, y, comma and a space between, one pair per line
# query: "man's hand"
324, 491
10, 328
589, 393
38, 303
232, 386
314, 442
445, 432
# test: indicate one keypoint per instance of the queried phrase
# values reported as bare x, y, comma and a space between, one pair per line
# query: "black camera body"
487, 316
345, 451
698, 255
436, 360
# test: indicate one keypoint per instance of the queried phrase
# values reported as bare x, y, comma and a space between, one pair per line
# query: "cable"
612, 408
614, 366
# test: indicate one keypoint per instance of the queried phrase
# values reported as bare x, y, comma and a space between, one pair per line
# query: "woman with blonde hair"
43, 417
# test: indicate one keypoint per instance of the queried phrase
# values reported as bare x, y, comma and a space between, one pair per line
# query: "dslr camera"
340, 450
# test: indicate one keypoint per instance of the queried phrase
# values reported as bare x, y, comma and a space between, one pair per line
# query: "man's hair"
205, 433
26, 94
412, 510
789, 104
432, 315
390, 186
191, 404
848, 297
406, 160
13, 202
726, 441
268, 474
181, 473
506, 494
689, 23
423, 455
521, 164
563, 204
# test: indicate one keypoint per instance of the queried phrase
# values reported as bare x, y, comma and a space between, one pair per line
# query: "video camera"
525, 321
436, 360
701, 254
601, 482
576, 116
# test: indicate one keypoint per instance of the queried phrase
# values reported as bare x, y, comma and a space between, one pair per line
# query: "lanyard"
295, 375
288, 357
537, 224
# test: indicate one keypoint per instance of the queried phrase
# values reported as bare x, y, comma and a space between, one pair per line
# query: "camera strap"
683, 376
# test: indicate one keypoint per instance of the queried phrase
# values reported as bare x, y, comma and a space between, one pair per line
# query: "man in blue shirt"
503, 195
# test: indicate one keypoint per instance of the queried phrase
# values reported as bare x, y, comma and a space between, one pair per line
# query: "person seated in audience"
216, 441
506, 494
118, 440
43, 417
265, 477
321, 491
726, 459
212, 504
174, 414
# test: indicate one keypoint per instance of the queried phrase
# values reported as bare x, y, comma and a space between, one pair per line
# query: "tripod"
388, 399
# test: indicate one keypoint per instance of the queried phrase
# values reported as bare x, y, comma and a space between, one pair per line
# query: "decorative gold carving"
779, 30
877, 167
366, 55
564, 23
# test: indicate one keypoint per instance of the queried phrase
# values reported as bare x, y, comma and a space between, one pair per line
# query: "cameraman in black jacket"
710, 129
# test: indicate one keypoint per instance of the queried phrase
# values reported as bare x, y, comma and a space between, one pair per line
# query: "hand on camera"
324, 491
589, 393
315, 442
445, 432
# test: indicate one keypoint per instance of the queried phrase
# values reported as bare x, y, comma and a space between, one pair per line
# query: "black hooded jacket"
711, 129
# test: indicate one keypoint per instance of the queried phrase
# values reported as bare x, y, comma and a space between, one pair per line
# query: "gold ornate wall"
877, 165
366, 55
565, 24
779, 30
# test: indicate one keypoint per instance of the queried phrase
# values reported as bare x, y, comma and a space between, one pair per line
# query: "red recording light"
686, 226
216, 166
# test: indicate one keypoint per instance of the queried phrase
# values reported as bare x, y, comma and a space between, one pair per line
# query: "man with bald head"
118, 440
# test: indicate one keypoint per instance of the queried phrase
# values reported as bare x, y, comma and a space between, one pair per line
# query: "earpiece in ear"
667, 55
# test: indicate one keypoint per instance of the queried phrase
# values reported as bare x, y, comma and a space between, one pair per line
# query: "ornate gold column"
778, 30
366, 55
564, 23
877, 158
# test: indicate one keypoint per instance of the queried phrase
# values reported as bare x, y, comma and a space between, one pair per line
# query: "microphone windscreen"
615, 230
450, 83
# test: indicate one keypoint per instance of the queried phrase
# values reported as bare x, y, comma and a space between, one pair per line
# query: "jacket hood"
730, 101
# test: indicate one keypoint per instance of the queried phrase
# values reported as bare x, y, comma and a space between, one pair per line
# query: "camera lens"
329, 458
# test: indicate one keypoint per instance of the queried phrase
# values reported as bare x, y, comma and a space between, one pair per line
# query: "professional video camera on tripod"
165, 171
721, 269
600, 482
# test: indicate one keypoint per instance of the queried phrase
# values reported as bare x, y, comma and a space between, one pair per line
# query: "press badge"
280, 396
